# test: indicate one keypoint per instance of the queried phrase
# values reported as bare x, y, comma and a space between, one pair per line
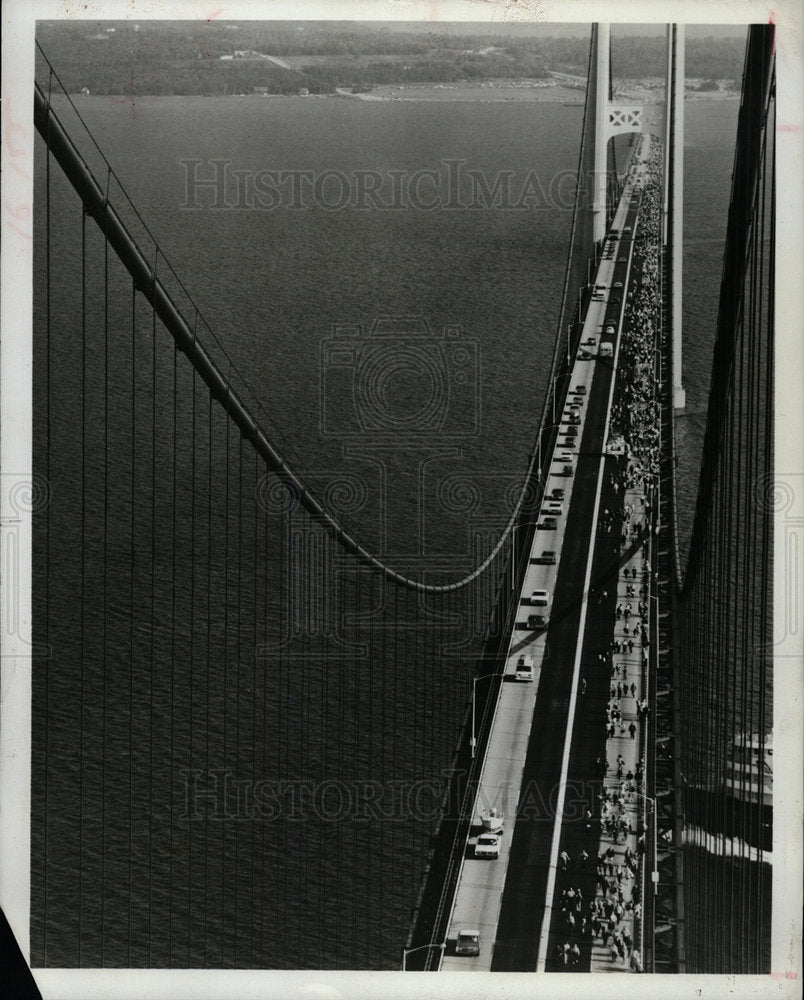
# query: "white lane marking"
562, 785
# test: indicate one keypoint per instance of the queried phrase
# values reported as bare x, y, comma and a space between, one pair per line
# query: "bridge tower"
611, 119
672, 228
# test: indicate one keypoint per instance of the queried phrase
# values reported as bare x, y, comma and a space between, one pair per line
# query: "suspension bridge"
257, 743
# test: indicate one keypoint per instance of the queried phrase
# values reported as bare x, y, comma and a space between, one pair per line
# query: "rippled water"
291, 291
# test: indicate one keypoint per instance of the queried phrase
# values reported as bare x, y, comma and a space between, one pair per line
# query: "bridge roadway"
525, 765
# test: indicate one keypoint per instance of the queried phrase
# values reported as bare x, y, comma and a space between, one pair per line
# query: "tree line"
184, 57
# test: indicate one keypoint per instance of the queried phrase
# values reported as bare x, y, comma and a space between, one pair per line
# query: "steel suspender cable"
131, 655
105, 532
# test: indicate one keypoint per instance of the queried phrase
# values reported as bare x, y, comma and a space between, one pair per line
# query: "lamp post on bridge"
546, 427
473, 742
513, 560
655, 872
409, 951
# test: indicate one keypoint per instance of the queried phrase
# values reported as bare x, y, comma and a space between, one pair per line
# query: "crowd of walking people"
607, 918
635, 411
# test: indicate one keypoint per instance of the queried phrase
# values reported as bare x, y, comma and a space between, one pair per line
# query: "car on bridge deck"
579, 390
467, 942
610, 329
547, 558
541, 598
524, 669
487, 845
538, 621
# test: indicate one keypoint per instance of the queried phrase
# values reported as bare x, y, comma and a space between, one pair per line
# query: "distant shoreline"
513, 90
492, 91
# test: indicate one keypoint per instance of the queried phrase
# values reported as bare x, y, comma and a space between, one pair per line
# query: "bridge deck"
538, 772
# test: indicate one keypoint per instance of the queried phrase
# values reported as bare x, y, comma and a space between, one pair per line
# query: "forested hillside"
190, 57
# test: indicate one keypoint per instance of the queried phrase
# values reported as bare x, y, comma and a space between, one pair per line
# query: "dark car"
547, 558
467, 942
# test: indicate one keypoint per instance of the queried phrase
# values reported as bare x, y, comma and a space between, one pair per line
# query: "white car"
487, 846
524, 669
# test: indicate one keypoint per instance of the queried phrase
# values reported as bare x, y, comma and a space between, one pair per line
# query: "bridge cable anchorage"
99, 206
